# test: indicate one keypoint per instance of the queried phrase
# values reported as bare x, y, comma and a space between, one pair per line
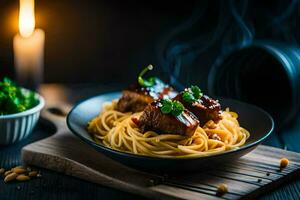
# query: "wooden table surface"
54, 186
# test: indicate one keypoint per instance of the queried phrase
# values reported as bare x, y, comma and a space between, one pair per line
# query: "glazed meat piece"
136, 97
132, 101
153, 119
204, 109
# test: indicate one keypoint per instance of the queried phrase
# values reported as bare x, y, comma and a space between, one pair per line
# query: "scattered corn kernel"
19, 173
284, 162
22, 177
10, 177
18, 167
19, 170
7, 172
222, 188
32, 173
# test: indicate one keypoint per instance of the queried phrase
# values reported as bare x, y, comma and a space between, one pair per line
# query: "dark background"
109, 41
94, 41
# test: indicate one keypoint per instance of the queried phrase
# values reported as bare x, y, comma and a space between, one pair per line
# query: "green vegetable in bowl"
14, 99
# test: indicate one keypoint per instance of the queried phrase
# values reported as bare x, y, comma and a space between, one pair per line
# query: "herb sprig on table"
14, 99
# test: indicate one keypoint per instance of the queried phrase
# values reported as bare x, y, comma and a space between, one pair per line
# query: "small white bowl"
15, 127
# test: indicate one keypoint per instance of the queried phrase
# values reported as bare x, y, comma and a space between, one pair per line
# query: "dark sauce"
204, 109
186, 117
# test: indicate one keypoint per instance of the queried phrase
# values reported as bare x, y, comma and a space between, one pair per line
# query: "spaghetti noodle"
116, 130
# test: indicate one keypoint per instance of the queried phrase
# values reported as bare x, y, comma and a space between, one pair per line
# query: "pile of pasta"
116, 130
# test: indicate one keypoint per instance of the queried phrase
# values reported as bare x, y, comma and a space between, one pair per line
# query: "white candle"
28, 47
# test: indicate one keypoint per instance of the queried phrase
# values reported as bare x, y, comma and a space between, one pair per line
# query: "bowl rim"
30, 111
128, 154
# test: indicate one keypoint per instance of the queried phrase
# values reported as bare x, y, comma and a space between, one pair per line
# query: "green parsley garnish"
196, 91
171, 107
192, 94
178, 108
146, 82
167, 106
14, 99
188, 97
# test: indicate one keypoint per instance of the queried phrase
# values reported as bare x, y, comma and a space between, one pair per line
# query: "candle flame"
26, 17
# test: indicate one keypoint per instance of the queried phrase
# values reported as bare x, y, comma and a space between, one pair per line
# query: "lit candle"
28, 48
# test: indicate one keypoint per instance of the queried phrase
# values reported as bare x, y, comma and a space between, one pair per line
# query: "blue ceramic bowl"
258, 122
18, 126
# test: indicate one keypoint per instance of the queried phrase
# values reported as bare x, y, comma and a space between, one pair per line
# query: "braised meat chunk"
212, 109
154, 119
203, 107
132, 101
137, 97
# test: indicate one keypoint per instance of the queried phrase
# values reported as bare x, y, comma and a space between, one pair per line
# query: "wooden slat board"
251, 175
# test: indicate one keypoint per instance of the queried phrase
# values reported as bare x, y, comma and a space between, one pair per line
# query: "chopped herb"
192, 94
196, 91
171, 107
167, 106
14, 99
177, 108
188, 97
146, 82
